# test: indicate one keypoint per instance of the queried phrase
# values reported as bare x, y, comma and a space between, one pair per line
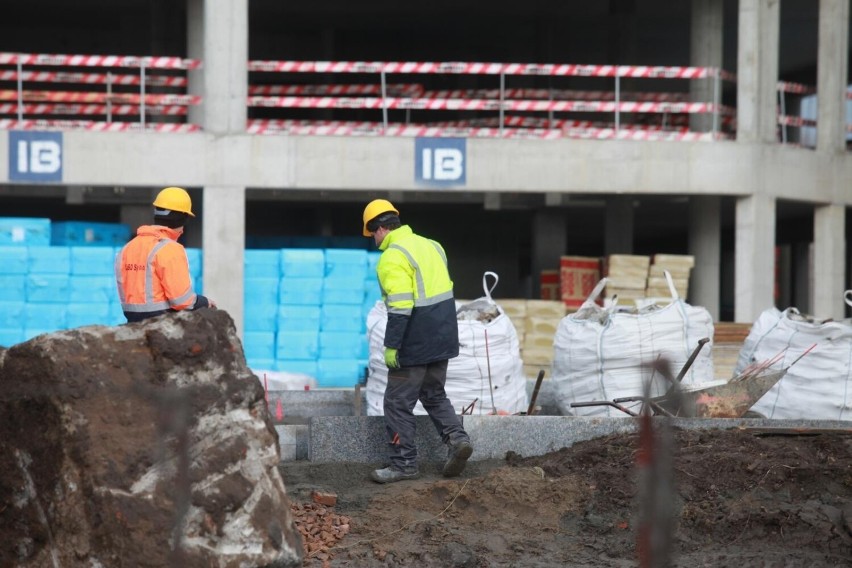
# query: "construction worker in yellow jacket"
152, 270
420, 339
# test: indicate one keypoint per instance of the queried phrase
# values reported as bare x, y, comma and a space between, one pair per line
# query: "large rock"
145, 444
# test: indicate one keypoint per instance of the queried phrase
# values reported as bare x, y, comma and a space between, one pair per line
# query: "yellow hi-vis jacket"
418, 294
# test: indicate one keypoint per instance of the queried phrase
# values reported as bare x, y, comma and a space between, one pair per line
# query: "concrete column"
217, 34
705, 50
549, 243
705, 245
618, 236
829, 261
754, 269
757, 70
832, 59
223, 240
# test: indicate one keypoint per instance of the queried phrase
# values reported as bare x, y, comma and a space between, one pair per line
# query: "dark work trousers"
405, 387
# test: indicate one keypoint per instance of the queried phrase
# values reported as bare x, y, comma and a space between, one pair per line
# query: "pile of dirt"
737, 498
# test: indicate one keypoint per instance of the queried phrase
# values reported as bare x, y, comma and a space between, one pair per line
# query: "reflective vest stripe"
401, 297
182, 299
119, 277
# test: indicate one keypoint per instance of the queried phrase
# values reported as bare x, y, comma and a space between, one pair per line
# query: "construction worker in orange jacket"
152, 270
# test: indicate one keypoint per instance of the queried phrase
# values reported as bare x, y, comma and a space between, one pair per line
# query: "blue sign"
35, 156
440, 162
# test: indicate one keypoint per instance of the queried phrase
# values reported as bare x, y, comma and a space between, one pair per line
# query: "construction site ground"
738, 498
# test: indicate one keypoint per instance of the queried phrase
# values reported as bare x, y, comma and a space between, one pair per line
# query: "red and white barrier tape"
8, 124
412, 130
797, 121
98, 60
479, 104
393, 90
492, 122
467, 68
92, 78
90, 109
556, 94
89, 97
795, 88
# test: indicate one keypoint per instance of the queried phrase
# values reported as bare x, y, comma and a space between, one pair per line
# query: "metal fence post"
617, 99
502, 98
717, 99
384, 102
142, 93
109, 97
20, 91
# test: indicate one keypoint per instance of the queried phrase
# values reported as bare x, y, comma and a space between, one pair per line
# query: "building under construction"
515, 136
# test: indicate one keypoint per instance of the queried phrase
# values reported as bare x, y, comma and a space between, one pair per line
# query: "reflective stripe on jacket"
152, 272
418, 293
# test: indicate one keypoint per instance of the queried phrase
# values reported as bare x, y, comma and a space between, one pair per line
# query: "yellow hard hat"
174, 199
375, 208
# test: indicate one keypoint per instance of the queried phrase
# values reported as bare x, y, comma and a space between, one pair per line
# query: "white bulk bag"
485, 347
602, 354
819, 385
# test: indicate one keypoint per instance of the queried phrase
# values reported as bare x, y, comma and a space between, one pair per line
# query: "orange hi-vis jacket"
152, 273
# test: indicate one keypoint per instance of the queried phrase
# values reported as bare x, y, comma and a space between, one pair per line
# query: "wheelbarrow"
721, 399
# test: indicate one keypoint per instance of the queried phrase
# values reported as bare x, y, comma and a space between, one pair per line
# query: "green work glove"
391, 358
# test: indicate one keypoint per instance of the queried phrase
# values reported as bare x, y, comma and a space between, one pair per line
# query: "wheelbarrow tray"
729, 399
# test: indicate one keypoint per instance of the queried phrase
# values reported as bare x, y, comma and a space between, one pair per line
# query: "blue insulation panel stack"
87, 233
24, 231
305, 308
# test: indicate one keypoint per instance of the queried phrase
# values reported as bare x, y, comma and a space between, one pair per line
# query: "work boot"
458, 454
389, 475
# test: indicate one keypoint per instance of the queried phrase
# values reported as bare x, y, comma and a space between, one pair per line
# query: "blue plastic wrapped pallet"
341, 345
260, 316
11, 314
89, 233
302, 263
24, 231
307, 367
259, 344
196, 263
45, 317
298, 318
13, 287
297, 345
10, 337
87, 313
300, 291
261, 291
84, 289
92, 260
49, 260
13, 259
48, 288
339, 372
262, 264
346, 263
